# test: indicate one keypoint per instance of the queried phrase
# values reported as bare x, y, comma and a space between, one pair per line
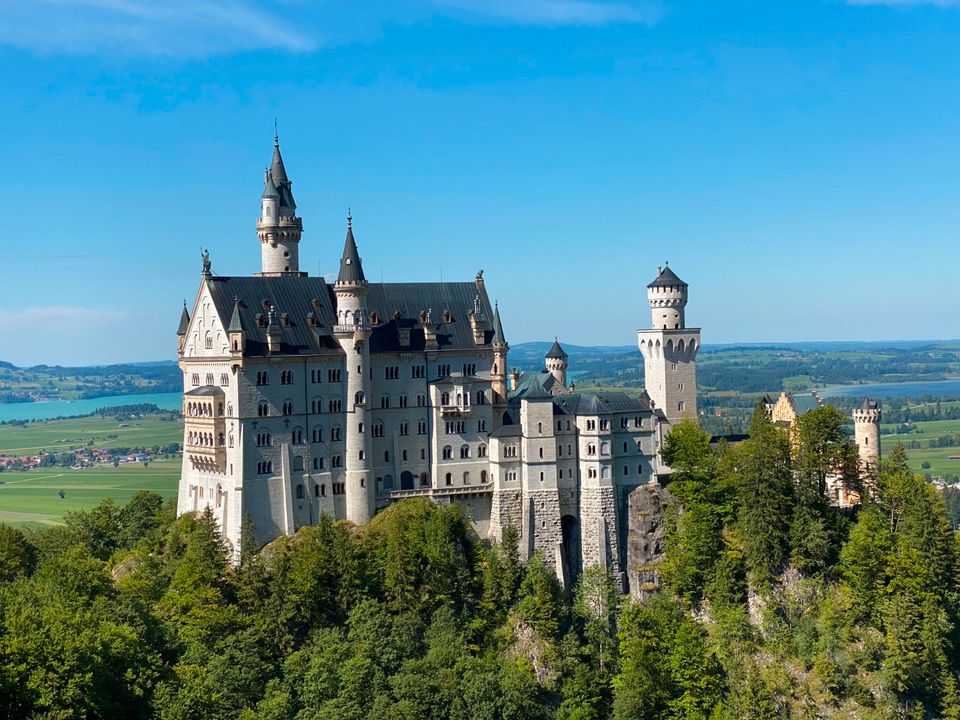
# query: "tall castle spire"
278, 226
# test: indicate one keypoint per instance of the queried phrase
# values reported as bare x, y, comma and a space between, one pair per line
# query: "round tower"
353, 332
866, 425
278, 226
667, 296
556, 362
498, 371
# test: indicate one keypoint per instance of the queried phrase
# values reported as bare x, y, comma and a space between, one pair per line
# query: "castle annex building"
303, 397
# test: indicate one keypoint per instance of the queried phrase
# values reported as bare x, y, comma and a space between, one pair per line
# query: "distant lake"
941, 388
72, 408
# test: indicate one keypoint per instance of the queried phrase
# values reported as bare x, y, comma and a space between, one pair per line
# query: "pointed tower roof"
277, 169
351, 267
498, 336
236, 323
269, 188
556, 352
666, 278
184, 320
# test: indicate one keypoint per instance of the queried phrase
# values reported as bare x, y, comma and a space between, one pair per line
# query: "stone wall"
598, 527
645, 537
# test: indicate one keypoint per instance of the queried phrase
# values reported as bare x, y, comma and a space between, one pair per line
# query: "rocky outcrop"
646, 507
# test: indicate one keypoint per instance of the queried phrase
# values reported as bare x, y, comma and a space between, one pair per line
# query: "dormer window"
261, 320
312, 319
447, 317
285, 320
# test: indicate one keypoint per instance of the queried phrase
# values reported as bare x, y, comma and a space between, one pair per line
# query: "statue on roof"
205, 254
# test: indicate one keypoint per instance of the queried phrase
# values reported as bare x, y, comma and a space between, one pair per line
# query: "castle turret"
498, 371
556, 363
866, 424
182, 330
670, 348
353, 332
278, 226
236, 332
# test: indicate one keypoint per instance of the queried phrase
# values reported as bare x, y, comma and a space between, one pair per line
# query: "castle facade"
304, 398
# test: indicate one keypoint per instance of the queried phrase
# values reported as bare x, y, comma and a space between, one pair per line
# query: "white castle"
303, 398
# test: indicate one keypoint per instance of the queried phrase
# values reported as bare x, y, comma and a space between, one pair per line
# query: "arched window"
299, 492
317, 434
449, 478
445, 398
335, 434
466, 478
591, 449
604, 448
447, 452
482, 451
464, 451
358, 398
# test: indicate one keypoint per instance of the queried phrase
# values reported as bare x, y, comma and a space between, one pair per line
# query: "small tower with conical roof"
670, 348
353, 332
183, 329
556, 363
498, 371
278, 226
866, 425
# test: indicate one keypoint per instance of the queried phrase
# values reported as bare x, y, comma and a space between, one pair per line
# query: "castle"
303, 398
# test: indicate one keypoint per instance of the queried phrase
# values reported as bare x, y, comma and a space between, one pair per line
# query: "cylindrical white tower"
278, 226
353, 332
556, 362
667, 296
866, 425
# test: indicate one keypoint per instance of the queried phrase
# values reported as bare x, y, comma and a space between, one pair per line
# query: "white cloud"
163, 28
56, 318
557, 12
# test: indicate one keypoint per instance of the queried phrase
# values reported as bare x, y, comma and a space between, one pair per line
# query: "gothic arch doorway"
570, 529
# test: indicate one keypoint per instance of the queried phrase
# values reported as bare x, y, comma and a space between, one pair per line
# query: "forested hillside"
774, 605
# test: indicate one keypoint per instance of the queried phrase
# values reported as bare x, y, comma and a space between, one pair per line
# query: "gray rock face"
645, 537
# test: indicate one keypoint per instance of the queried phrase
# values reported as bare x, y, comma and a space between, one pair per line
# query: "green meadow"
34, 496
937, 457
94, 431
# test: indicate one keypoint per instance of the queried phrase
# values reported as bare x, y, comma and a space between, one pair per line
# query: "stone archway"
572, 553
406, 480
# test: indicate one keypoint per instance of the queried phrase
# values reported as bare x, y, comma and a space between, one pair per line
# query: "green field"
73, 433
32, 496
937, 457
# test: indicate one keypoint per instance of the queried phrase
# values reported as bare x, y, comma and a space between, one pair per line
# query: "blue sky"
797, 163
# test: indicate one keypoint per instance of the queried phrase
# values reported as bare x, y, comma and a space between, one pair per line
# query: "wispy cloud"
907, 3
57, 318
163, 28
557, 12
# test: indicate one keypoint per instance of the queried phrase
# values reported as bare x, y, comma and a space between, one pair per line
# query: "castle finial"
349, 218
276, 134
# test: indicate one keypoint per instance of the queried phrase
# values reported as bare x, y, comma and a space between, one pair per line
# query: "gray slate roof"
556, 352
351, 267
667, 278
498, 337
296, 297
184, 321
868, 404
601, 403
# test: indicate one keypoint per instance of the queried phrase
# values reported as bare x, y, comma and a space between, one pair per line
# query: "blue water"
64, 408
937, 388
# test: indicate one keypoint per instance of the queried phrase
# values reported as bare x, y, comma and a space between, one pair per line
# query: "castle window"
421, 400
334, 406
423, 453
447, 452
403, 455
541, 453
358, 399
336, 461
230, 440
299, 492
673, 366
539, 427
445, 398
417, 371
224, 380
335, 434
466, 478
464, 451
449, 478
482, 451
361, 456
604, 424
263, 378
209, 378
315, 468
195, 379
481, 425
592, 472
287, 408
421, 428
681, 406
591, 449
443, 371
404, 428
384, 401
296, 437
680, 386
208, 341
469, 369
625, 447
318, 434
541, 477
604, 448
377, 430
568, 424
333, 375
386, 456
391, 373
316, 488
403, 401
483, 477
263, 410
591, 424
626, 470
